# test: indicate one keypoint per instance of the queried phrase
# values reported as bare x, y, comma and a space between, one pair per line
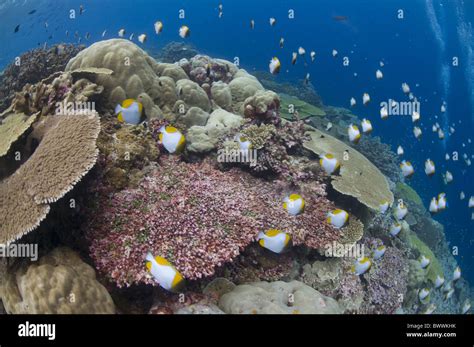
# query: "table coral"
12, 128
358, 177
65, 154
198, 218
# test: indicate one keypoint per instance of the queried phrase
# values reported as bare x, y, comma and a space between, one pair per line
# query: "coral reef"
358, 177
275, 146
381, 155
407, 193
61, 283
175, 51
277, 298
256, 263
303, 91
420, 248
134, 72
198, 218
192, 95
204, 138
386, 283
67, 151
242, 87
206, 71
333, 278
58, 91
125, 154
262, 107
293, 108
34, 66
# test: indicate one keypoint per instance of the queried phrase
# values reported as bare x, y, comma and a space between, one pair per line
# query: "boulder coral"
134, 71
198, 218
277, 298
204, 138
60, 283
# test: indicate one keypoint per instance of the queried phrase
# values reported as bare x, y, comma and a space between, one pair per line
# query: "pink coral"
198, 218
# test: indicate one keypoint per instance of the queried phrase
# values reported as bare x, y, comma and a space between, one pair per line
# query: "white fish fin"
150, 257
118, 109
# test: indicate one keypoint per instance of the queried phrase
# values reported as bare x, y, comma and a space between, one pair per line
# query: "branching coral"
65, 154
386, 283
60, 89
274, 145
198, 218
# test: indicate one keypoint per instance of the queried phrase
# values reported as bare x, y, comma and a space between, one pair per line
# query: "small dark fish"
17, 28
88, 36
340, 18
81, 10
208, 70
32, 11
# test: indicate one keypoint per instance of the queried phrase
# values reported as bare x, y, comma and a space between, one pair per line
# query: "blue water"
417, 49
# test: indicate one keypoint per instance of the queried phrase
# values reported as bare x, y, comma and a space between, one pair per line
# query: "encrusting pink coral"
198, 218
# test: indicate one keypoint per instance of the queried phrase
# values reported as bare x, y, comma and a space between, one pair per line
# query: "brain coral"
358, 177
277, 298
61, 283
65, 154
198, 218
134, 71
